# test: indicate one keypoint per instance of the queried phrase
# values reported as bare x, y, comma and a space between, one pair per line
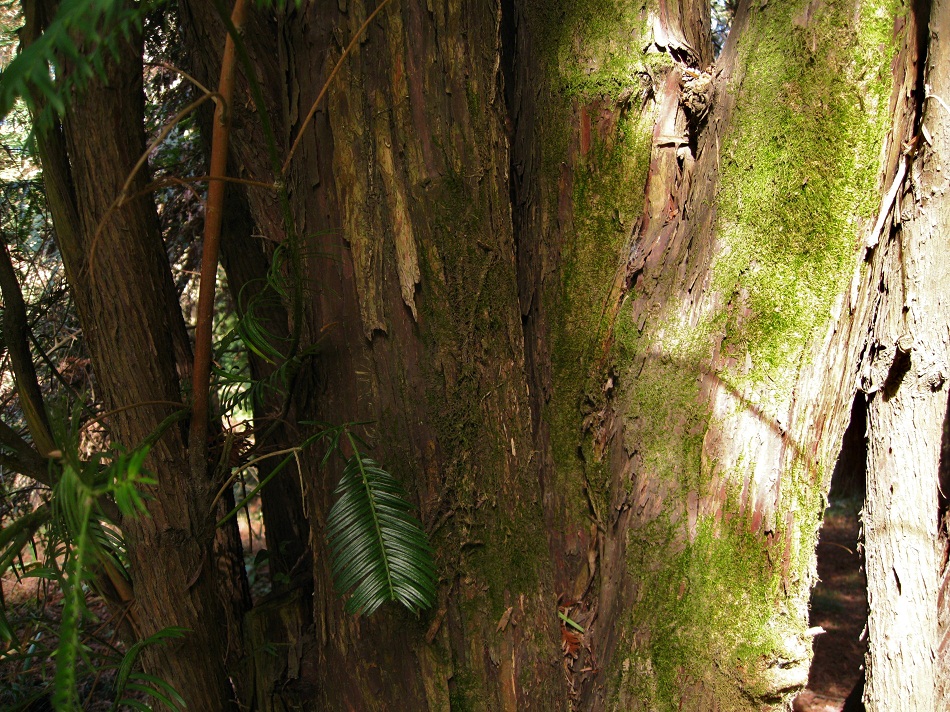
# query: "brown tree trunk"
413, 269
614, 360
118, 271
605, 305
689, 273
906, 381
405, 241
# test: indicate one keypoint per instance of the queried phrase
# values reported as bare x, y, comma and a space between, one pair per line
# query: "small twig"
840, 546
142, 404
162, 135
177, 180
246, 466
289, 452
247, 513
888, 203
182, 72
168, 181
930, 95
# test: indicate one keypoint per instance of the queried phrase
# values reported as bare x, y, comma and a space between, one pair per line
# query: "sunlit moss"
799, 173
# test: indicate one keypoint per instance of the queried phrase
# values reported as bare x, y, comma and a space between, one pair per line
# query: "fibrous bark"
400, 205
118, 271
594, 295
905, 379
656, 427
683, 300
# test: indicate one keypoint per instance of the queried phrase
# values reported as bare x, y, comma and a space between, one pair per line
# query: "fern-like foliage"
78, 37
128, 679
85, 539
379, 550
77, 537
65, 696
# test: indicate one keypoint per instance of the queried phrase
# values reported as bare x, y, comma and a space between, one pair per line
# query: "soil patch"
839, 605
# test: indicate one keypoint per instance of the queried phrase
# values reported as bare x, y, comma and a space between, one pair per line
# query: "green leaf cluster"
379, 550
129, 679
77, 535
71, 50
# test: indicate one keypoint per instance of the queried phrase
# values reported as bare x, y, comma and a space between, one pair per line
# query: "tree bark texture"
689, 273
905, 382
605, 305
595, 300
402, 176
118, 271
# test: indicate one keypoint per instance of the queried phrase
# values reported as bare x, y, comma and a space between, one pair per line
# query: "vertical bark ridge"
454, 158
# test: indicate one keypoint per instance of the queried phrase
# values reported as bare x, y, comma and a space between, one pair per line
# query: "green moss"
668, 416
594, 47
467, 293
593, 53
474, 105
607, 199
705, 603
798, 173
465, 694
592, 50
805, 497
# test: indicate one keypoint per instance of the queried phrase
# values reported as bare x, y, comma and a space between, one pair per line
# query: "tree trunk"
596, 302
606, 306
690, 273
906, 381
119, 275
401, 208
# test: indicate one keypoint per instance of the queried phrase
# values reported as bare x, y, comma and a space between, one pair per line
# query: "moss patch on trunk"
799, 170
798, 181
798, 173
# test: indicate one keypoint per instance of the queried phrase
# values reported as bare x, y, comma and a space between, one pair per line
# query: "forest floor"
839, 605
33, 610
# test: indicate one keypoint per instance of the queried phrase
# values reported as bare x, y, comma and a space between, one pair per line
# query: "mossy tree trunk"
597, 295
605, 304
696, 290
